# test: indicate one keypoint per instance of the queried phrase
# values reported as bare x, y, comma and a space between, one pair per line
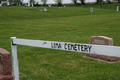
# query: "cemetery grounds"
69, 24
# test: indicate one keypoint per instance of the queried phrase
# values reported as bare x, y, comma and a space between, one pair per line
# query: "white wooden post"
14, 60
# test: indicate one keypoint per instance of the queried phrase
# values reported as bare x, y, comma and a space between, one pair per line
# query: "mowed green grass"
70, 24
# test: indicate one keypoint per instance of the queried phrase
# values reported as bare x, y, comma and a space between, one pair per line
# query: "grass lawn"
70, 24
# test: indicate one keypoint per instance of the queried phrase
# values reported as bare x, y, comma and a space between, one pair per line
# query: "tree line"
59, 2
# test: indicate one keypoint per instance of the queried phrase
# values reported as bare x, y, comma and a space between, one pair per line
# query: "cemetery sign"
77, 47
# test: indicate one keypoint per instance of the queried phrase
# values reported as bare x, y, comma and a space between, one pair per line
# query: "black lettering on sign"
85, 48
82, 47
69, 47
72, 47
75, 47
79, 47
56, 45
65, 45
89, 47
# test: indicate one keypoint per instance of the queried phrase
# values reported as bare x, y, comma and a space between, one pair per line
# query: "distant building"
5, 3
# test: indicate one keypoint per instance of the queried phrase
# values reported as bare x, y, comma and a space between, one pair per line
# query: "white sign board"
77, 47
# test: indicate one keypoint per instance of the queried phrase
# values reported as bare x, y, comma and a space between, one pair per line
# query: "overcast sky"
63, 1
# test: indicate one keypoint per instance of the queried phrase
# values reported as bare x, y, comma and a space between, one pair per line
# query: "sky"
63, 1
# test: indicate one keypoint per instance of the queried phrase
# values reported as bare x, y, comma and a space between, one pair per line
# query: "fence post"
14, 60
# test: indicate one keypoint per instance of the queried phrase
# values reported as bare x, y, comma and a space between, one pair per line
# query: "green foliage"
99, 1
32, 1
73, 24
44, 1
108, 1
74, 1
59, 2
82, 2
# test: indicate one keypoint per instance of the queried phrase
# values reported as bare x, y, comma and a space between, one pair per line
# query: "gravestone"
5, 65
117, 8
0, 5
45, 9
91, 10
102, 40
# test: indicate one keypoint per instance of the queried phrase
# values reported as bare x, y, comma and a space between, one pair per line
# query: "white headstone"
45, 9
91, 9
117, 8
19, 4
0, 5
64, 6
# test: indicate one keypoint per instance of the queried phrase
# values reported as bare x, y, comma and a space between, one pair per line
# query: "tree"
37, 3
74, 1
118, 1
99, 1
59, 2
32, 1
16, 2
108, 1
44, 2
82, 2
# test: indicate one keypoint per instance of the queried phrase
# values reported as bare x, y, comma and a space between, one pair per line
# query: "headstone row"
92, 10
